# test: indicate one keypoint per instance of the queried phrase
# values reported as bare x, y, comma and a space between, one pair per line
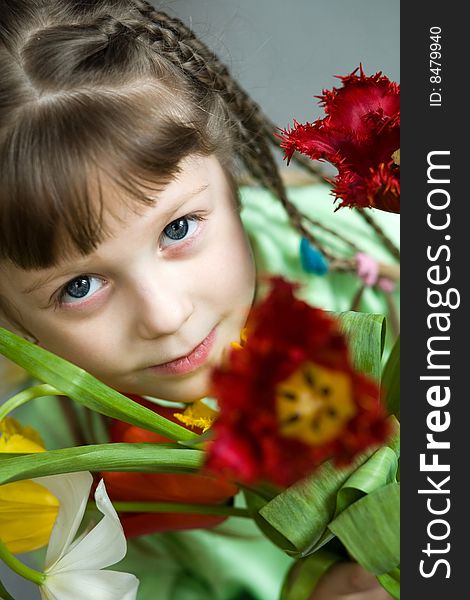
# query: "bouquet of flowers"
301, 422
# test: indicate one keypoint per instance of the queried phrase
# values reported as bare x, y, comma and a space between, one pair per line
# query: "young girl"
121, 245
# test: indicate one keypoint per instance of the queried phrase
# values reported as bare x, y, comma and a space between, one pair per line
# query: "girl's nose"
161, 310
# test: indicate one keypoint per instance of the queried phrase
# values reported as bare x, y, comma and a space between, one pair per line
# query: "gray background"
284, 53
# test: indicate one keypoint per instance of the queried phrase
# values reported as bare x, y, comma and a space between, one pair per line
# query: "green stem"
170, 507
20, 568
37, 391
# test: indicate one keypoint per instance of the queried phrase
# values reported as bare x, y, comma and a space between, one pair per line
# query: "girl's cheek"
78, 342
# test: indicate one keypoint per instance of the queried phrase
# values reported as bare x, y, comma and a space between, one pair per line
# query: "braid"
237, 96
256, 134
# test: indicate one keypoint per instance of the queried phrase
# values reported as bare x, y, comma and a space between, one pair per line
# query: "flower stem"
171, 507
37, 391
20, 568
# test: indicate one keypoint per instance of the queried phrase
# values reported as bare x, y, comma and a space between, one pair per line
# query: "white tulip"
74, 568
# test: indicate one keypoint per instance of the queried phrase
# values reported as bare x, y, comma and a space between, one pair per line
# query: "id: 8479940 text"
435, 66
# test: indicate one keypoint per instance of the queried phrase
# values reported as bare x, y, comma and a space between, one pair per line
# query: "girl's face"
153, 308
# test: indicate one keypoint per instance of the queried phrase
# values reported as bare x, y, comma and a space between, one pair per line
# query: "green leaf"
391, 381
255, 503
303, 512
84, 388
378, 471
144, 457
391, 582
378, 512
366, 335
305, 573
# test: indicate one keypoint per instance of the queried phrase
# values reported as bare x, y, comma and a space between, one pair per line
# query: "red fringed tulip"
162, 487
289, 398
360, 136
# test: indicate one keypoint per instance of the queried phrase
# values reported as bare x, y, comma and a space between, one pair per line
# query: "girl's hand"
349, 581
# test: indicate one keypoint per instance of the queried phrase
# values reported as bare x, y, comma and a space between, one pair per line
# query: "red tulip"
162, 487
289, 397
360, 136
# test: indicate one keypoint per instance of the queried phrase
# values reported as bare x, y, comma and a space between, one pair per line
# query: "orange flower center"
314, 404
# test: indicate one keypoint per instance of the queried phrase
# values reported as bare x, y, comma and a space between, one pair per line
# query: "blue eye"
80, 288
179, 229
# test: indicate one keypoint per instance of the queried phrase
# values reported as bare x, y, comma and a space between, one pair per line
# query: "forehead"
123, 216
195, 174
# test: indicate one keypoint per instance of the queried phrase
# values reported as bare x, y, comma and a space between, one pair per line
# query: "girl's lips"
190, 362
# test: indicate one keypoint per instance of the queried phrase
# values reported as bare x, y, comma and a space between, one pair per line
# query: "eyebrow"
181, 199
42, 281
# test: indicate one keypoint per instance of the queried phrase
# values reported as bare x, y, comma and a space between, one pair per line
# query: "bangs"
54, 158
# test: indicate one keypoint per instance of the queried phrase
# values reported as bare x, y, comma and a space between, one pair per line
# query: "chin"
184, 389
191, 390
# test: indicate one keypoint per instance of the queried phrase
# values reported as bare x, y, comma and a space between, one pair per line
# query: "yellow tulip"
27, 510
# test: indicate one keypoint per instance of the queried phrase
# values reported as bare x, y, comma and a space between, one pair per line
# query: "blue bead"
312, 259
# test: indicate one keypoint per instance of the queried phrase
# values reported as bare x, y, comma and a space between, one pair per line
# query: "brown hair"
113, 86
